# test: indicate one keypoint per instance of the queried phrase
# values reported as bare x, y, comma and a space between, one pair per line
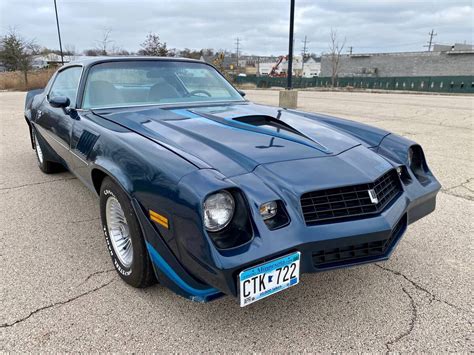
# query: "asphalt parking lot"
59, 291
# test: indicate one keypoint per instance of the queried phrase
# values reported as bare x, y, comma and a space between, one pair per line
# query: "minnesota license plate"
271, 277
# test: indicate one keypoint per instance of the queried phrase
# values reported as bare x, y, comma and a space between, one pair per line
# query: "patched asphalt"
59, 291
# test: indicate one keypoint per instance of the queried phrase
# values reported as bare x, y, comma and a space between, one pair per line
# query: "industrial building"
444, 60
308, 68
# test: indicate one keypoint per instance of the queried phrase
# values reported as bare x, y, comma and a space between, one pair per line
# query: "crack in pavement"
467, 182
80, 221
36, 183
467, 198
431, 295
448, 191
460, 185
60, 303
411, 326
95, 274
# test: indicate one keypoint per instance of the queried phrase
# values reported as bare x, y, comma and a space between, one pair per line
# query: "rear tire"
45, 165
123, 235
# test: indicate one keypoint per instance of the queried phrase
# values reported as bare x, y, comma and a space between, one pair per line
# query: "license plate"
271, 277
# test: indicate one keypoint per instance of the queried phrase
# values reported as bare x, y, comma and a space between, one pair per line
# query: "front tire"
124, 237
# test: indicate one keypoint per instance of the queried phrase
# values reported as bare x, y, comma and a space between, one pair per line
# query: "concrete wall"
402, 64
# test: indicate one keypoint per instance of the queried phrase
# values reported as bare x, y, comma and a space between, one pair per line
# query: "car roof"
104, 59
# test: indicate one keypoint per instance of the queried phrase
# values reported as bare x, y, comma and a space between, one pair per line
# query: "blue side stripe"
168, 271
185, 113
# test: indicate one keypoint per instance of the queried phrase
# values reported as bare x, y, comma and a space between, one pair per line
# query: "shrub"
15, 80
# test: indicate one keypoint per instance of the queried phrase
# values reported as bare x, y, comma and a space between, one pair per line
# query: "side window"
66, 84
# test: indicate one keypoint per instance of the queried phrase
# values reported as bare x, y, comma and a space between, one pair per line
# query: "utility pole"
290, 46
305, 48
303, 54
59, 33
430, 42
237, 49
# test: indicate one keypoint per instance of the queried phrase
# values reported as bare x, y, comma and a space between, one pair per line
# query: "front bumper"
322, 247
344, 244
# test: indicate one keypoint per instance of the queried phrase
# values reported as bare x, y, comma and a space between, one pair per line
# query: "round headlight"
218, 211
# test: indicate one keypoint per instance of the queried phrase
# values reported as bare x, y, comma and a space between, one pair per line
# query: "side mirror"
241, 93
60, 101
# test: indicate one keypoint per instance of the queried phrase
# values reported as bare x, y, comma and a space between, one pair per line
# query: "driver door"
54, 124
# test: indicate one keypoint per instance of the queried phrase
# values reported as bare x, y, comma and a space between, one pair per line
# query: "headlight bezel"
416, 162
206, 205
239, 231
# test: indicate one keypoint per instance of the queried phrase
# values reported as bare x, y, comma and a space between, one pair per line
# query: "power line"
430, 42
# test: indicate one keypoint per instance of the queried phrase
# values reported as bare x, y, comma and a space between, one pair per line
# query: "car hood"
235, 138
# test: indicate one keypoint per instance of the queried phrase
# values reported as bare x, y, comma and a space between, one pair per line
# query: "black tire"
45, 165
140, 272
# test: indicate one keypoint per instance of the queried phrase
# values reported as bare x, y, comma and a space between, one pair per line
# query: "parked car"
212, 195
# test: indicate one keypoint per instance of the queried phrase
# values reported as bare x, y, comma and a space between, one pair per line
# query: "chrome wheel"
119, 232
39, 152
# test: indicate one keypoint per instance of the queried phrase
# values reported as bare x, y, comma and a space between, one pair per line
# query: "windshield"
135, 83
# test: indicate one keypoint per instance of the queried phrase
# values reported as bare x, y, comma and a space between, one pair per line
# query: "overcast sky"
367, 25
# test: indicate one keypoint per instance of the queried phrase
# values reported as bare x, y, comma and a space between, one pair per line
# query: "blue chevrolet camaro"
210, 194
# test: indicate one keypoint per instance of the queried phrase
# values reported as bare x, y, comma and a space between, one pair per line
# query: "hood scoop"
267, 125
271, 123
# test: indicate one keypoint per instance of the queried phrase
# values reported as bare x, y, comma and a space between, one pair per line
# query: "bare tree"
153, 46
91, 52
104, 43
190, 53
335, 50
117, 50
70, 50
17, 53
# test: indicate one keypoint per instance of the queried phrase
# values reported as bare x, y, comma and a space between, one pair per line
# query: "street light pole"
290, 46
59, 33
288, 98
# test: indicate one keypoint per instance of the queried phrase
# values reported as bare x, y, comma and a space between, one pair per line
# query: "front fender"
103, 166
395, 148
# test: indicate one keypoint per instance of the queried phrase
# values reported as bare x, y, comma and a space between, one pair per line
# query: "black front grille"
350, 202
353, 253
